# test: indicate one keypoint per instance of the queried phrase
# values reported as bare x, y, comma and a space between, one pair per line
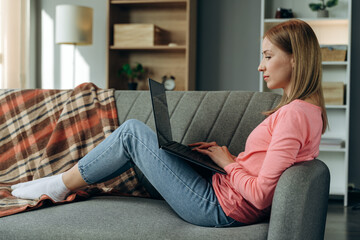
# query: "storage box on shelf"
333, 93
333, 53
331, 32
139, 35
159, 34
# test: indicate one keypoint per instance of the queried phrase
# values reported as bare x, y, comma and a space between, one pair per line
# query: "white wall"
228, 44
56, 61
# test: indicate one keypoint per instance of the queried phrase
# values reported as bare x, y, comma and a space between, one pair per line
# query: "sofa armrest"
300, 202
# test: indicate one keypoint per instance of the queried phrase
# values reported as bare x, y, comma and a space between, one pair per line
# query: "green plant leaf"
126, 69
131, 72
139, 68
332, 3
315, 6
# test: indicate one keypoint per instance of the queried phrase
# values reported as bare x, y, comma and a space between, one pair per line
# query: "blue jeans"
189, 194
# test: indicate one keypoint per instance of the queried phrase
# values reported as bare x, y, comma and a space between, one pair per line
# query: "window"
1, 44
13, 43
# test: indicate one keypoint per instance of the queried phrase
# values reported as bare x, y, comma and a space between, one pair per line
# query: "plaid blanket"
45, 132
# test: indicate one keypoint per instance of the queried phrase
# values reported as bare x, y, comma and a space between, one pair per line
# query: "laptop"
164, 135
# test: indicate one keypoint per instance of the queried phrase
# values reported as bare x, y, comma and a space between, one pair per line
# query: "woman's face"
276, 66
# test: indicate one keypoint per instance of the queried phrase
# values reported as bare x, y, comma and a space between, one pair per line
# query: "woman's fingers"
195, 144
202, 145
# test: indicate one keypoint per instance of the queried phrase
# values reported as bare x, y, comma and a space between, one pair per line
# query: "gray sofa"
299, 205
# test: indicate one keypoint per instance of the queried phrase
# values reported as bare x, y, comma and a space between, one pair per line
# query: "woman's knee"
135, 127
131, 123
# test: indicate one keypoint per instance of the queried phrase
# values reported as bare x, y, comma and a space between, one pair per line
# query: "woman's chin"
269, 86
272, 88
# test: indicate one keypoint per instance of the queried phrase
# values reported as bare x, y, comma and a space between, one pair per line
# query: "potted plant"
132, 73
321, 7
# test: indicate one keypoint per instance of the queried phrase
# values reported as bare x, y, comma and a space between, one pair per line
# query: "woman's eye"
267, 57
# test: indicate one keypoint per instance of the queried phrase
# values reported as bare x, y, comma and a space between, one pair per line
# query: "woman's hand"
202, 145
220, 155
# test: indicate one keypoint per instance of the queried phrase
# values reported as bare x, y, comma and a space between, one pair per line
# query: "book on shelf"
332, 143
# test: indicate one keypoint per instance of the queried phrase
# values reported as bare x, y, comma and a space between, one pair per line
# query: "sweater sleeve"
288, 134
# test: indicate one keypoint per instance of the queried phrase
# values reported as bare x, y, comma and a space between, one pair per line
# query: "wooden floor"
343, 223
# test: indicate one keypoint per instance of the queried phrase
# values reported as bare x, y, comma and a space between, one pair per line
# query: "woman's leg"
189, 194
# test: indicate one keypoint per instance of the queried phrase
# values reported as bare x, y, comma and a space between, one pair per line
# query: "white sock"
53, 187
24, 184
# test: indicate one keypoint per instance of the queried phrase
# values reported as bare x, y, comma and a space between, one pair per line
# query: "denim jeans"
189, 194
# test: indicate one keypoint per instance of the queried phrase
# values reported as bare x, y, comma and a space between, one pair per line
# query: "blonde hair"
297, 38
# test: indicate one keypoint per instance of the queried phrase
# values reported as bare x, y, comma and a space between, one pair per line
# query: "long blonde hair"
297, 38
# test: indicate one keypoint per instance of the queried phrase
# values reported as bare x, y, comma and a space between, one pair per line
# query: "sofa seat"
112, 217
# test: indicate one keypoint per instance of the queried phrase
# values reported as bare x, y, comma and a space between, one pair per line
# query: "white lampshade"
74, 24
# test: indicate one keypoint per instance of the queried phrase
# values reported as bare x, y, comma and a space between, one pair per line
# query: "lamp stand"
74, 66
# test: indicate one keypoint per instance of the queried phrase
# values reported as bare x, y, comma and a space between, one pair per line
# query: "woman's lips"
266, 78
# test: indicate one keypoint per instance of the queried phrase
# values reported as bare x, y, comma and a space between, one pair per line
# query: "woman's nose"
261, 67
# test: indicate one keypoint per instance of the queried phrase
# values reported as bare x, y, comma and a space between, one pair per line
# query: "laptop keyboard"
185, 150
193, 156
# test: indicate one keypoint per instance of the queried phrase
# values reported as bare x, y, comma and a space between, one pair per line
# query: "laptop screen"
161, 112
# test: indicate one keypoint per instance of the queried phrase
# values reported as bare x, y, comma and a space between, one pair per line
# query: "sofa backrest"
227, 117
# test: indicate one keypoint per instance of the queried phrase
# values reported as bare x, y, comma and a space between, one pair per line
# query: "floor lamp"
74, 26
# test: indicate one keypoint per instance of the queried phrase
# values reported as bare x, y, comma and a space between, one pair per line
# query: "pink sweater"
290, 135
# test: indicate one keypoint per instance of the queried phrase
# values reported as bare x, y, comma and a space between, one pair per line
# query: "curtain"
14, 43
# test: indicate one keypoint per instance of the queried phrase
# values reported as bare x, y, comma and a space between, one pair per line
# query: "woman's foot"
24, 184
53, 187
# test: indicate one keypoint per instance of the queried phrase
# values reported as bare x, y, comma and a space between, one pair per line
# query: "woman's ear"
292, 61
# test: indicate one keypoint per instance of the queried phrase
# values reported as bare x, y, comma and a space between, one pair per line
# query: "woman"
291, 133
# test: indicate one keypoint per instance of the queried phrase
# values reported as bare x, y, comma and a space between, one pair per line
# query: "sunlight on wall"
1, 51
66, 66
1, 84
47, 53
82, 68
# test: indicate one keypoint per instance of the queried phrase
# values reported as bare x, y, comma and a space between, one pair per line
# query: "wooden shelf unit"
335, 30
154, 48
178, 19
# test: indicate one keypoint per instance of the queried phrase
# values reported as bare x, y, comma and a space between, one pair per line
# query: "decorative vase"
132, 85
322, 13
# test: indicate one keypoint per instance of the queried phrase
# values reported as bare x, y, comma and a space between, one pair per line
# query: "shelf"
146, 1
156, 48
329, 149
335, 30
331, 144
335, 63
339, 21
152, 3
177, 18
336, 107
329, 31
